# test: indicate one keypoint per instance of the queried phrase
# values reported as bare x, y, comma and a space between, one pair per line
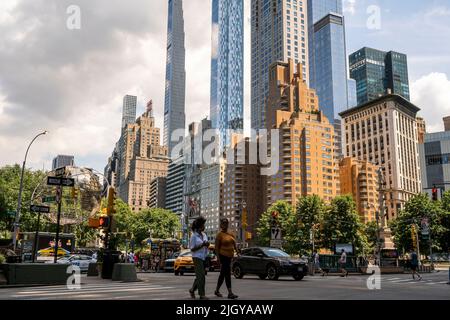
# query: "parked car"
268, 263
184, 263
170, 262
79, 260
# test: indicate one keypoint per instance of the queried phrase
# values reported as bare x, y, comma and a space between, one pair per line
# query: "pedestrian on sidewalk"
199, 247
343, 263
316, 262
225, 248
415, 265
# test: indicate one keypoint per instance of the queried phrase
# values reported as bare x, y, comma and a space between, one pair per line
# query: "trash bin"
109, 259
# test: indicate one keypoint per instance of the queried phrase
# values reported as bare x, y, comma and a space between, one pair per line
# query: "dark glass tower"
377, 73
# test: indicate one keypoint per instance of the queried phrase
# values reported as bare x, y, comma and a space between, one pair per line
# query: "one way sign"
275, 234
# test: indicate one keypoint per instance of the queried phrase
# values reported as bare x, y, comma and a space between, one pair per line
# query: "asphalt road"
165, 286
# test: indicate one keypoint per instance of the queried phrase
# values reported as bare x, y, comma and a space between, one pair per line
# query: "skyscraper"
384, 132
175, 94
307, 164
279, 32
378, 73
62, 161
328, 56
227, 68
129, 110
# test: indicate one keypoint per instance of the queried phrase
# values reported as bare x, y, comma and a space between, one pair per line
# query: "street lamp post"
19, 200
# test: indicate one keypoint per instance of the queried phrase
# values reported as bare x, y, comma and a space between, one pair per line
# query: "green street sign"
11, 213
48, 199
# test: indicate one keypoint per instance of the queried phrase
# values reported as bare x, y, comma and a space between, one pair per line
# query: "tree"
371, 230
342, 225
415, 210
444, 238
9, 192
306, 219
285, 213
162, 223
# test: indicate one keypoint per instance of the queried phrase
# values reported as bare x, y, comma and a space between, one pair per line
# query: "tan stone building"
306, 139
359, 179
421, 129
143, 159
384, 131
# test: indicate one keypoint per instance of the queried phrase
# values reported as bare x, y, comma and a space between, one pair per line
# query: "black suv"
268, 263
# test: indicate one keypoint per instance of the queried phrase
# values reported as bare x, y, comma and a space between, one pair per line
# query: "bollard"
448, 275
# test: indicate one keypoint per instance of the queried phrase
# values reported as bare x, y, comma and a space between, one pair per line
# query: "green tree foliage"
9, 192
415, 209
285, 217
342, 224
308, 215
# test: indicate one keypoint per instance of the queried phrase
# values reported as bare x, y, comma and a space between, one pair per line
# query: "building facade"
175, 91
143, 159
63, 161
242, 189
435, 161
306, 139
446, 123
279, 31
129, 110
384, 132
359, 179
227, 68
378, 73
174, 185
158, 193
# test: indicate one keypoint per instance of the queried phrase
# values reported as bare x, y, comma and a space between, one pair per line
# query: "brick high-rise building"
359, 178
142, 160
384, 131
158, 193
306, 136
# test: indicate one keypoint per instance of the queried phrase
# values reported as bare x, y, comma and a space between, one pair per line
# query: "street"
166, 286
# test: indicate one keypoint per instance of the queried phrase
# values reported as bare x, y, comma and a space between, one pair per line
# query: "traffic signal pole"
59, 199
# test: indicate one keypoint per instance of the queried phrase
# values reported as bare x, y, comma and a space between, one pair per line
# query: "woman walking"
199, 247
225, 248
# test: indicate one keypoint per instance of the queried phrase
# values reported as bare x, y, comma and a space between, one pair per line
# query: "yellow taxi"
50, 252
184, 263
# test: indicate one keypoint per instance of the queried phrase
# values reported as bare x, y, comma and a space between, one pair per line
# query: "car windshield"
275, 253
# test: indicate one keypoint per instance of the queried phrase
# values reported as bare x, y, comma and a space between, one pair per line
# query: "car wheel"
237, 272
181, 273
272, 272
262, 276
176, 272
299, 276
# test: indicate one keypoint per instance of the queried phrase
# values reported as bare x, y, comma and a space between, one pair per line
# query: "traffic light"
75, 193
434, 193
414, 236
244, 218
248, 236
104, 222
111, 208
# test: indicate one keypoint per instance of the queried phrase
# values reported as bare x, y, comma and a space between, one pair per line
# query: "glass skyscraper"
129, 110
175, 91
227, 67
377, 72
328, 57
279, 31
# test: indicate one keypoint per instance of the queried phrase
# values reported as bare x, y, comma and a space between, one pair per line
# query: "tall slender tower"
227, 67
174, 106
279, 33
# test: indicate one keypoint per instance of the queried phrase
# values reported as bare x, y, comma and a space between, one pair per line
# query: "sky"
71, 82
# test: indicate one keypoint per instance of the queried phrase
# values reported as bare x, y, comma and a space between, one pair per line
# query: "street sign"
276, 244
60, 172
275, 234
65, 182
11, 213
40, 209
49, 199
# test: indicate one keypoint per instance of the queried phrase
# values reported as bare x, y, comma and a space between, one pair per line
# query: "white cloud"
431, 93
